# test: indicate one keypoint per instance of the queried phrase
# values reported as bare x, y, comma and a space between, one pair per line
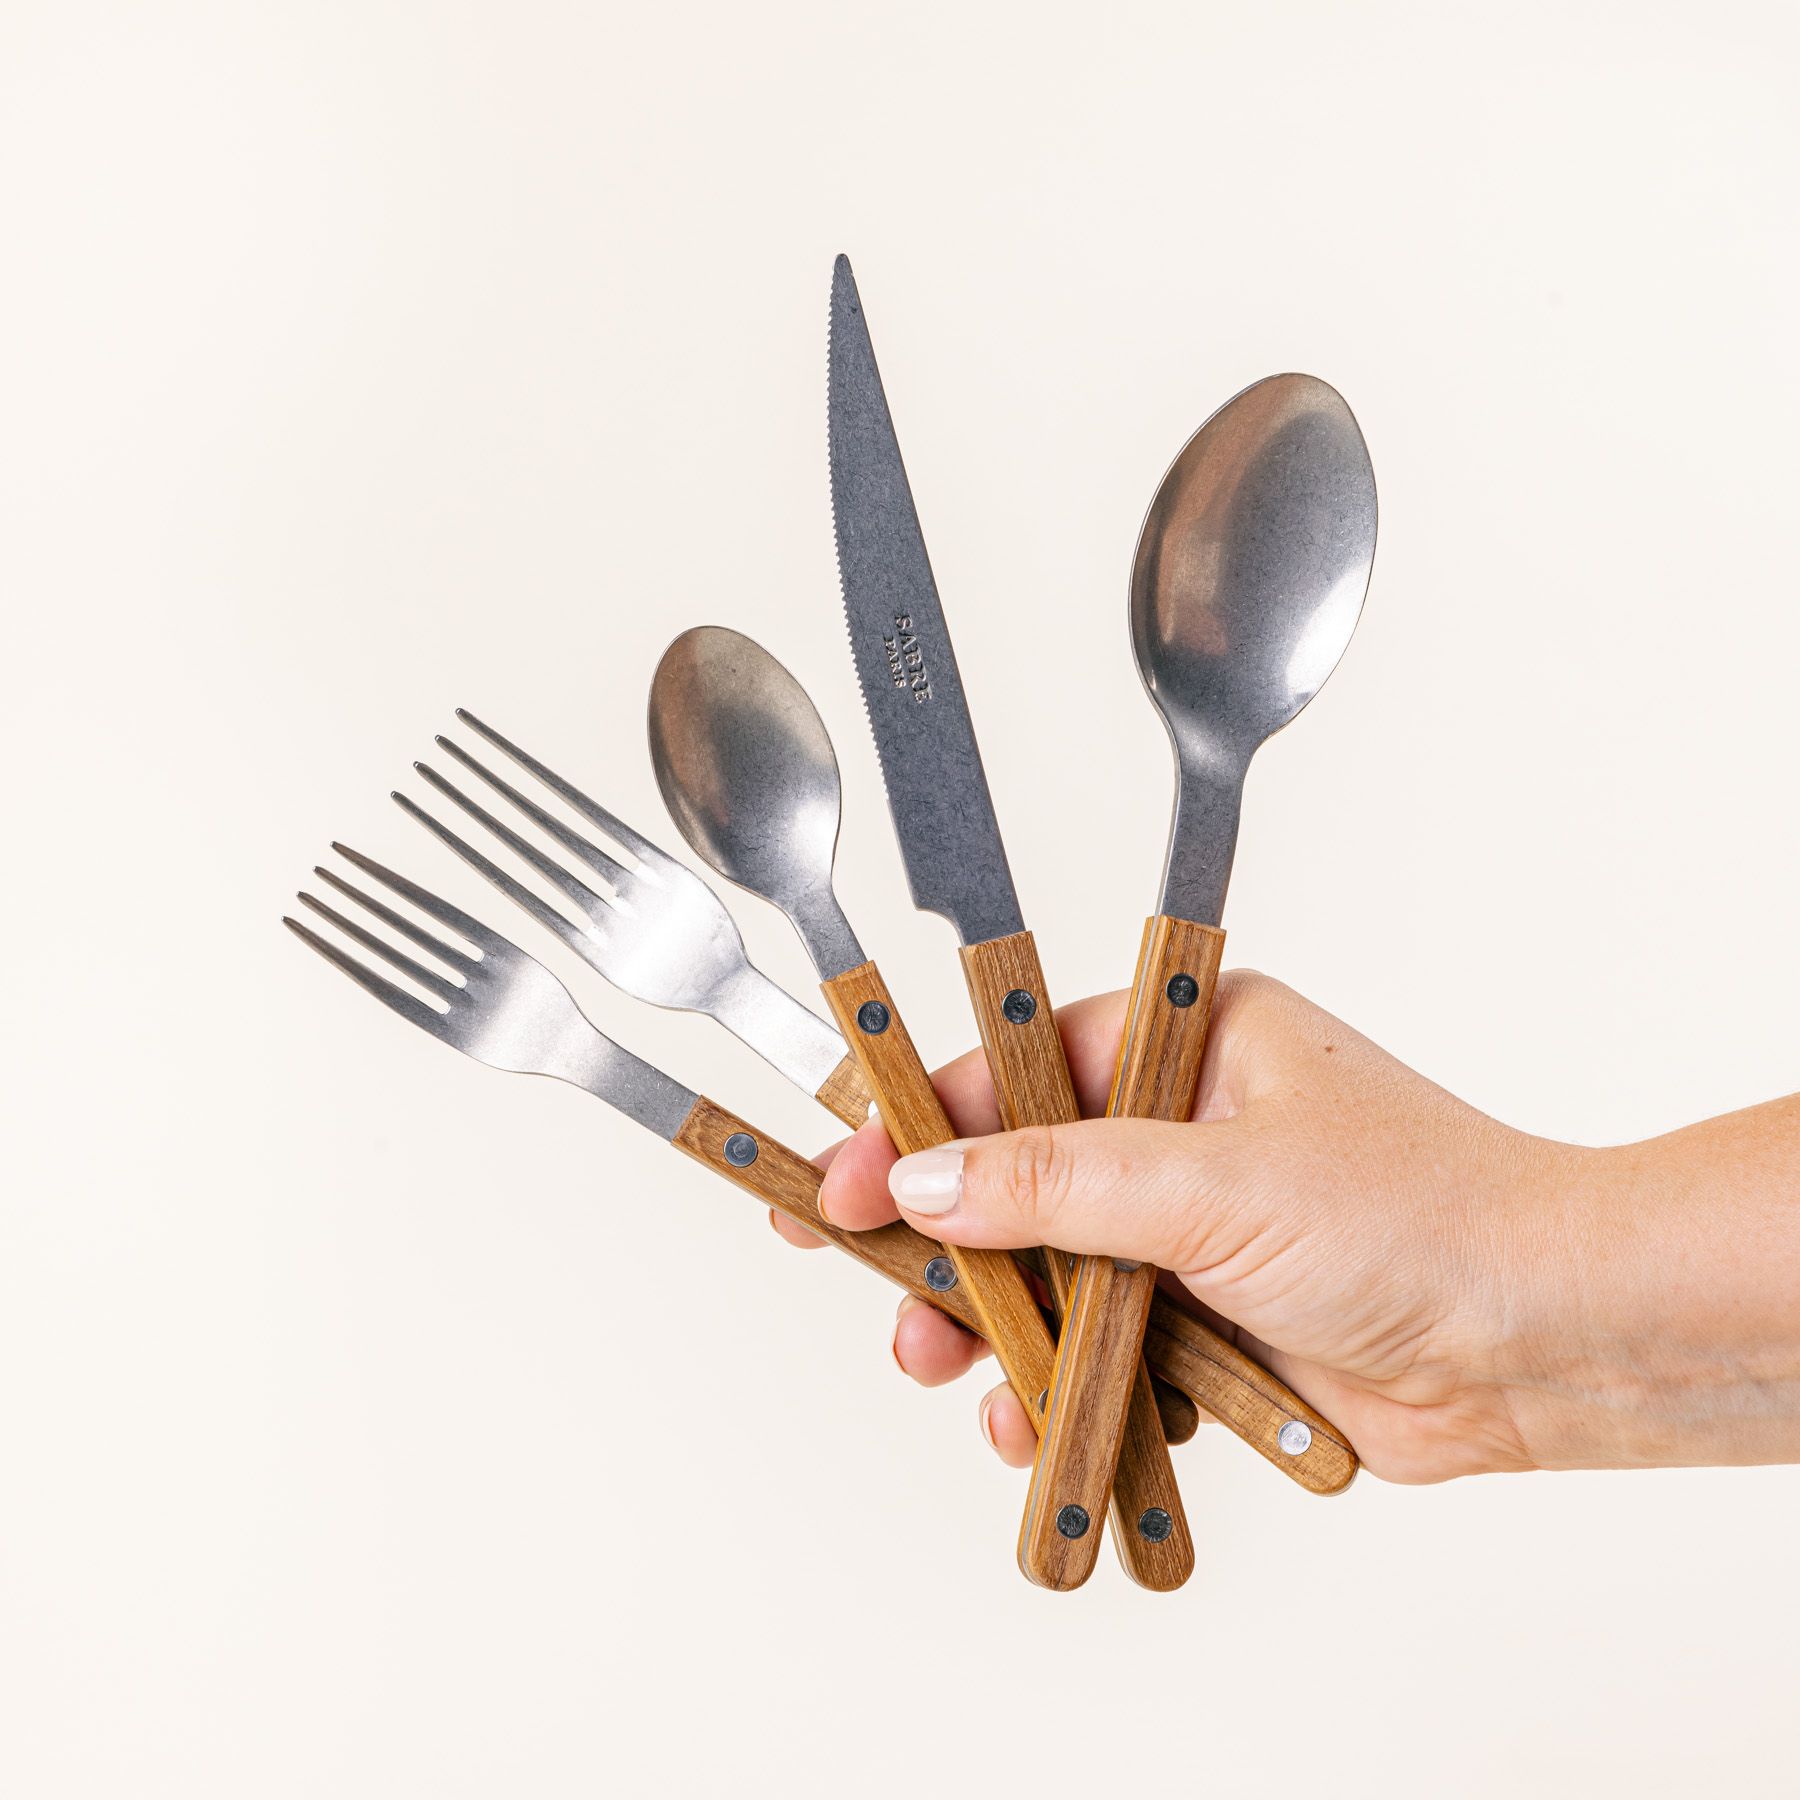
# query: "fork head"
497, 1004
650, 925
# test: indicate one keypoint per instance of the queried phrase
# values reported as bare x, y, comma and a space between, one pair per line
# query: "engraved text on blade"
906, 661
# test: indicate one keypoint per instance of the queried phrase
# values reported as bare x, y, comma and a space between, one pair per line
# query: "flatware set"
1248, 580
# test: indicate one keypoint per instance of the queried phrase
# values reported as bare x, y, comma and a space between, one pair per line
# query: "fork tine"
408, 1006
447, 991
572, 841
545, 914
488, 942
578, 891
416, 934
596, 814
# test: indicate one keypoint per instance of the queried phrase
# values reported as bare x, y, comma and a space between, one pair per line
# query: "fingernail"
929, 1181
987, 1424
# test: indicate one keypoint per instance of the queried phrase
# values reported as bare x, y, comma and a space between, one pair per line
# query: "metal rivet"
1125, 1267
740, 1149
1072, 1521
1043, 1400
1155, 1525
1295, 1438
1183, 990
940, 1274
872, 1017
1019, 1007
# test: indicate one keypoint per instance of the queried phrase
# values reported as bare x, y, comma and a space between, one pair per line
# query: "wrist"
1647, 1324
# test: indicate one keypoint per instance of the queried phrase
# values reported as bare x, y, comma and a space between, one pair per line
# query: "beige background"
372, 1425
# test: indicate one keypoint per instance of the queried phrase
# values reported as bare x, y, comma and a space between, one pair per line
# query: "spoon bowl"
749, 776
1248, 581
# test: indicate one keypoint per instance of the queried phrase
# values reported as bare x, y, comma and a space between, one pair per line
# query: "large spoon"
1250, 575
747, 771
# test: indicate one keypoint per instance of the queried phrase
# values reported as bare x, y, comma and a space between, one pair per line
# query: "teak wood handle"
1183, 1351
915, 1119
845, 1094
1156, 1077
1059, 1538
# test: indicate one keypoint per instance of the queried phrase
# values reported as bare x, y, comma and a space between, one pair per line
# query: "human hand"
1456, 1295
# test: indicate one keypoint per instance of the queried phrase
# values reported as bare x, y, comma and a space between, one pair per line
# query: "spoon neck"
825, 932
1202, 840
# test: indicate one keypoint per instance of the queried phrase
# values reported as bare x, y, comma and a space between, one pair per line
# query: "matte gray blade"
937, 792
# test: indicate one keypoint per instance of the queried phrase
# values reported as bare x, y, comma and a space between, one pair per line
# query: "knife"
956, 866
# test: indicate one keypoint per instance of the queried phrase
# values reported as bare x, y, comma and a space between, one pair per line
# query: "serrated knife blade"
937, 790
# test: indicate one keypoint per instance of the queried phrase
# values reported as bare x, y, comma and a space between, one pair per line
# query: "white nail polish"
929, 1182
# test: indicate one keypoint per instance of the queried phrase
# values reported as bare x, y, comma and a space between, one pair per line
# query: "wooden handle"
1155, 1078
995, 1284
1245, 1398
845, 1094
1087, 1463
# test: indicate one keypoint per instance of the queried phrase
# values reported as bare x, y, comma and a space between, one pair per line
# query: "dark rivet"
1019, 1007
940, 1274
740, 1149
872, 1017
1072, 1521
1183, 990
1154, 1524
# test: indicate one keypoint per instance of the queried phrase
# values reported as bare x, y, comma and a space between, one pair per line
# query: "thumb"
1142, 1189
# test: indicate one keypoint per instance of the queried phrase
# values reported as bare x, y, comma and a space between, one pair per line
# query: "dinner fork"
502, 1007
652, 927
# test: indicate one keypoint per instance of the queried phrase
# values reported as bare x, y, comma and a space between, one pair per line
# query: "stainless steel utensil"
748, 773
652, 927
504, 1008
1248, 581
956, 865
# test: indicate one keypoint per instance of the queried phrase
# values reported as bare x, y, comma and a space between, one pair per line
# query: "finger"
1005, 1425
786, 1228
932, 1349
797, 1235
854, 1194
1138, 1188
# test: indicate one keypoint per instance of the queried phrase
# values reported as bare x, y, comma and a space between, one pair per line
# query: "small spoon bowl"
1250, 574
748, 774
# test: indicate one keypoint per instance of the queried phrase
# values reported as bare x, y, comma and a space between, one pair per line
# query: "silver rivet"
1295, 1438
940, 1274
1072, 1521
740, 1149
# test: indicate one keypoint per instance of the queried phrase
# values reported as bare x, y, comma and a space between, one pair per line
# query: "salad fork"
652, 927
501, 1006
